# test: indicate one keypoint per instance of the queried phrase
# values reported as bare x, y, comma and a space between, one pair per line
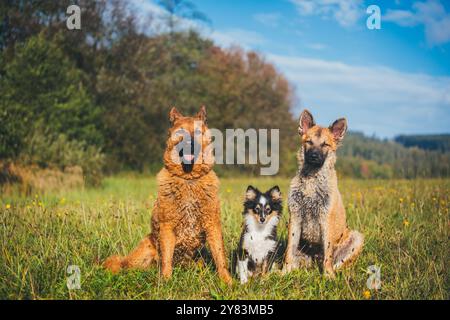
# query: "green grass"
405, 223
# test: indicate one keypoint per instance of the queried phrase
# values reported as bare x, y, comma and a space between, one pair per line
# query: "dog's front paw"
167, 273
244, 280
287, 267
330, 274
225, 277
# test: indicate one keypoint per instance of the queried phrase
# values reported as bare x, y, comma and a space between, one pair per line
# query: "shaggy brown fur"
317, 226
187, 210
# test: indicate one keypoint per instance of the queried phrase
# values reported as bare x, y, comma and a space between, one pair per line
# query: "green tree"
40, 87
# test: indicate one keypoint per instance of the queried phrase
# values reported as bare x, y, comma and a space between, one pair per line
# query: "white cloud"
268, 19
159, 16
345, 12
244, 38
234, 36
316, 46
147, 5
404, 18
375, 99
431, 14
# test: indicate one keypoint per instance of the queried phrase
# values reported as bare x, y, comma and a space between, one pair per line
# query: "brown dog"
317, 227
187, 208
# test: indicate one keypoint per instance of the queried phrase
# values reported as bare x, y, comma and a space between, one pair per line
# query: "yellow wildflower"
405, 222
8, 206
401, 200
367, 294
228, 190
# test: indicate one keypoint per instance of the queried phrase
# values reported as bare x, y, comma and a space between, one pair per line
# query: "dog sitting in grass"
186, 213
258, 244
317, 228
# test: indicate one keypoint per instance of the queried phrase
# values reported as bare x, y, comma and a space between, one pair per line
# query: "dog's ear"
202, 113
306, 121
338, 129
275, 193
174, 115
251, 193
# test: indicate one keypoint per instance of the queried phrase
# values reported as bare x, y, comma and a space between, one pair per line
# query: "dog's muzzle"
314, 157
188, 151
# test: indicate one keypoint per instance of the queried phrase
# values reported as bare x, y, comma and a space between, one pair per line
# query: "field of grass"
406, 225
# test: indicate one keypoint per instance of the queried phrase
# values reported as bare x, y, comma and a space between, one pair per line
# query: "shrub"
47, 150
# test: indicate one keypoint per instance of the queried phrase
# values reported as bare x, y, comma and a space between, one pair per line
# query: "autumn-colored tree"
111, 85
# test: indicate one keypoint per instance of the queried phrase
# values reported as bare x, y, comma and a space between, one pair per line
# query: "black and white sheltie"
258, 244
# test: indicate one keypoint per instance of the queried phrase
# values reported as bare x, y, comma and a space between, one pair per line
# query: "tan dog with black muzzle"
318, 229
186, 214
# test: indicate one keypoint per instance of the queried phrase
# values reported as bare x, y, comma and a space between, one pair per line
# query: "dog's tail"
140, 258
113, 263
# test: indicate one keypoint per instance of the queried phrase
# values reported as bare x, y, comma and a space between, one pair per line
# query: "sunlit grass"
406, 225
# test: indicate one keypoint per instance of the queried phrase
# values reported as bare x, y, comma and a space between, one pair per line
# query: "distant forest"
365, 157
440, 142
98, 98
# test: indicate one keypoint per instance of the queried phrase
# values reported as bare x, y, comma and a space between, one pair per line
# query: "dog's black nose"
262, 219
315, 155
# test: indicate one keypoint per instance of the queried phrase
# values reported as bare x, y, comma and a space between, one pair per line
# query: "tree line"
368, 157
438, 142
99, 97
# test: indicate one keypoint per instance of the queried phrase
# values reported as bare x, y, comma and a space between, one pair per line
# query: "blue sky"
386, 82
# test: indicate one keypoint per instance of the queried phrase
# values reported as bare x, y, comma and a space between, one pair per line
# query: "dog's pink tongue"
188, 157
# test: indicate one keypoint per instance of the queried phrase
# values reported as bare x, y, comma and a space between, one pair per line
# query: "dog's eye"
325, 144
268, 210
180, 133
309, 142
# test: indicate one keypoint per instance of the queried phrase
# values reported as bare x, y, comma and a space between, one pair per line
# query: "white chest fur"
257, 240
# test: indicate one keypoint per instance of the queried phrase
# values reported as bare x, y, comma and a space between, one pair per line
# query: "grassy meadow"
406, 225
